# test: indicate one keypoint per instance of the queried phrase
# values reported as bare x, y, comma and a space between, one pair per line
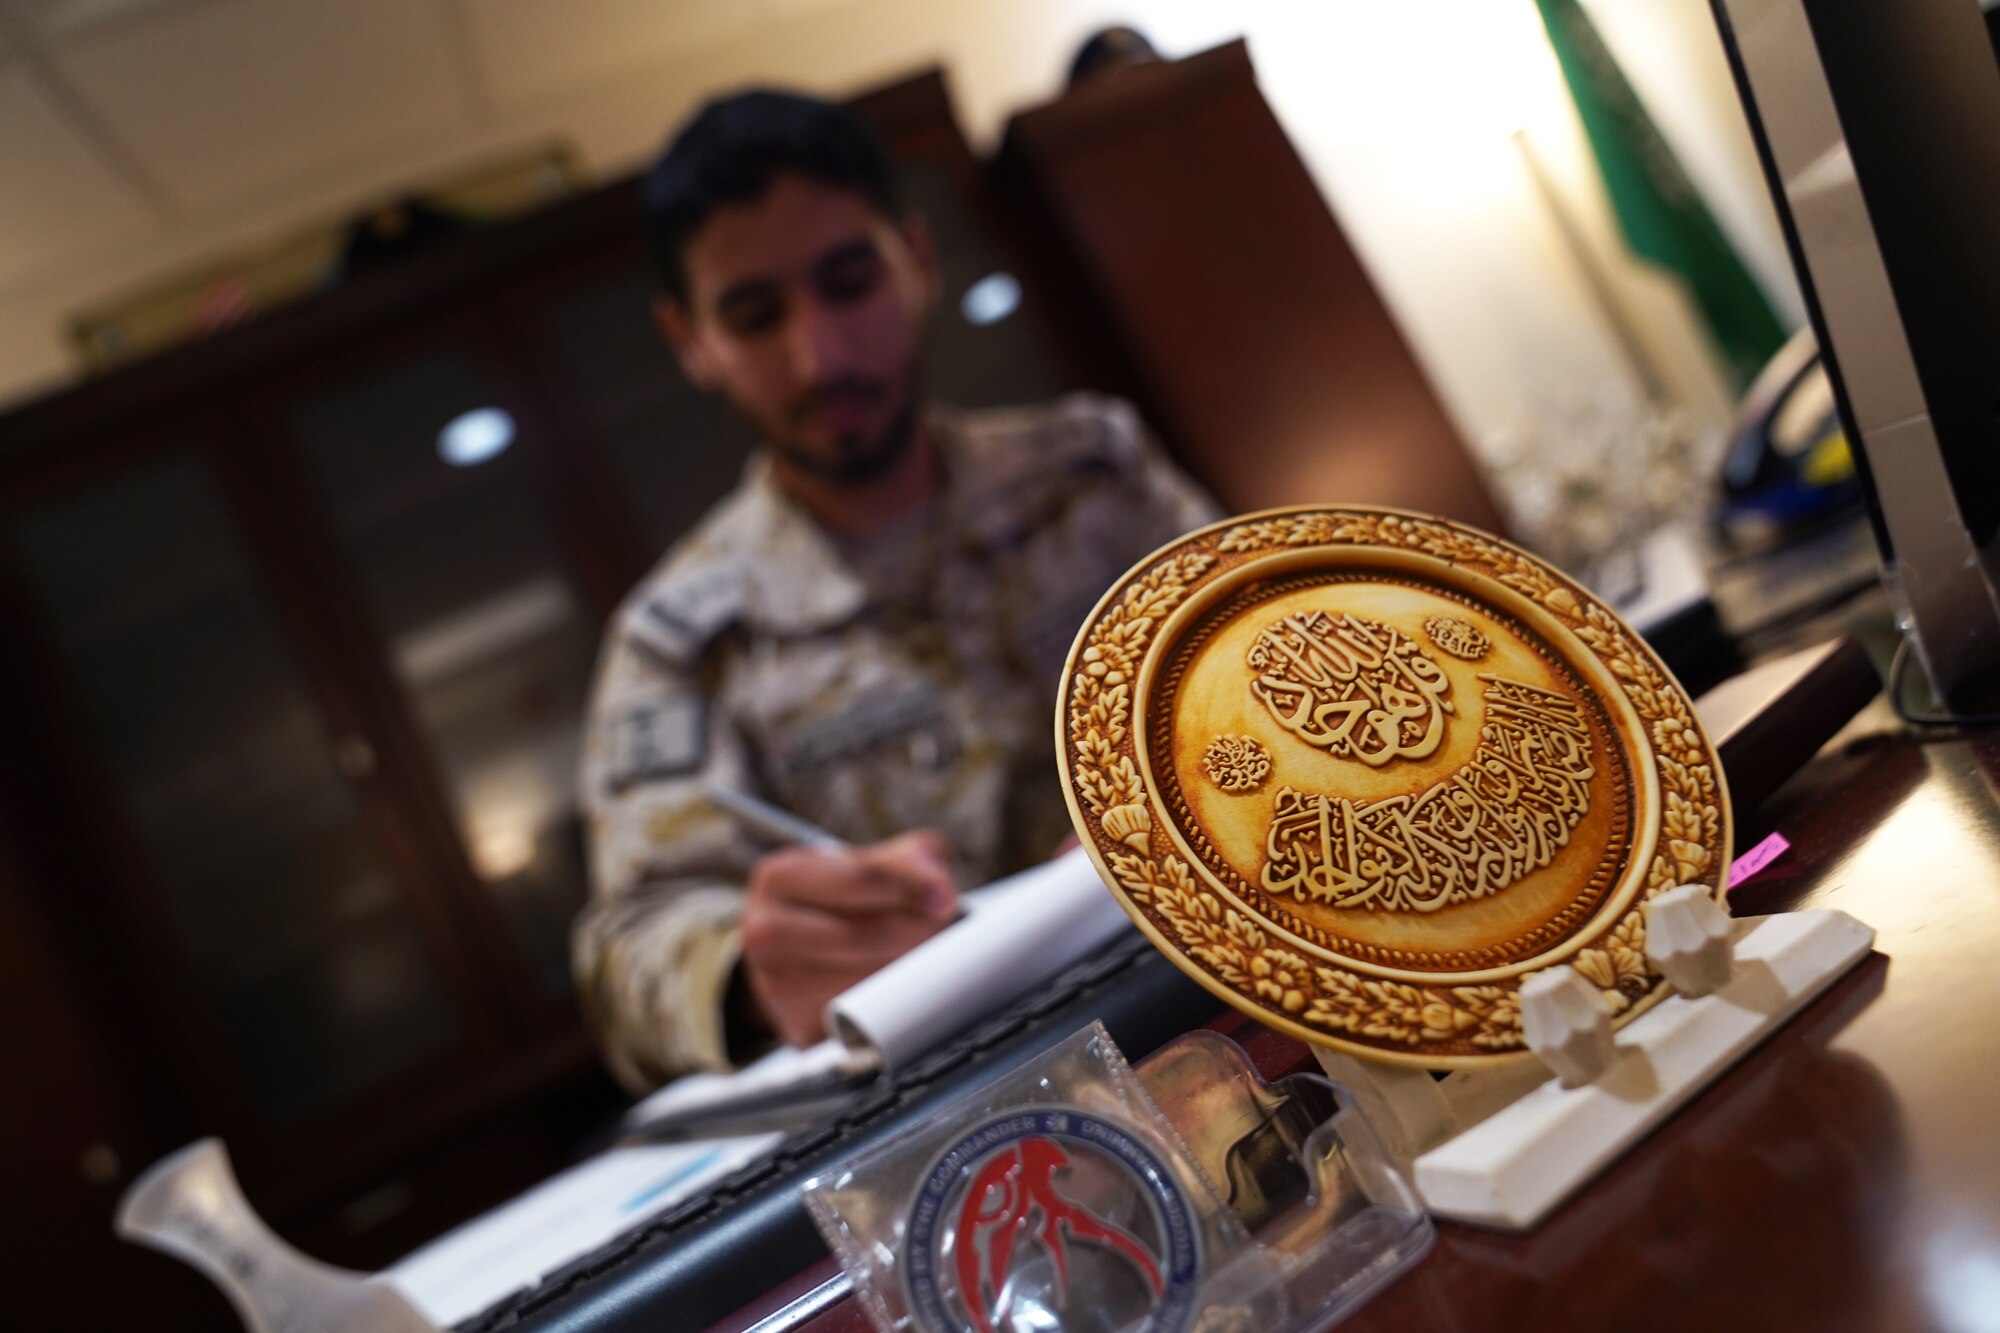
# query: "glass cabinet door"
296, 937
986, 343
444, 528
673, 450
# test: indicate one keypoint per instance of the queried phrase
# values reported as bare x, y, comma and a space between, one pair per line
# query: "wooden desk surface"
1846, 1176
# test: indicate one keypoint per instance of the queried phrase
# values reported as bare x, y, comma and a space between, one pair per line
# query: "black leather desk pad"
712, 1254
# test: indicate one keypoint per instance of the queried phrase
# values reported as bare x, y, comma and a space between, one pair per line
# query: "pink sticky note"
1757, 858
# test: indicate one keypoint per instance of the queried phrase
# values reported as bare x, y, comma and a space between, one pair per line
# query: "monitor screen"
1879, 130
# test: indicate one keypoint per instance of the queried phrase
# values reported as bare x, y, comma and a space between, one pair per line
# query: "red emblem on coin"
1014, 1196
1042, 1204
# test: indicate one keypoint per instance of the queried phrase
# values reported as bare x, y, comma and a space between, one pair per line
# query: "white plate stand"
1500, 1148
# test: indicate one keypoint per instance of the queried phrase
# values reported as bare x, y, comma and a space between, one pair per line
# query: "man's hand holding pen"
816, 920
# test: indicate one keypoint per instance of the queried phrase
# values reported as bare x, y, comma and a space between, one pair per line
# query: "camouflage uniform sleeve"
655, 949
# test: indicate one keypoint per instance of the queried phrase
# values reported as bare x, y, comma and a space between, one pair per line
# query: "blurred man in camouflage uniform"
868, 632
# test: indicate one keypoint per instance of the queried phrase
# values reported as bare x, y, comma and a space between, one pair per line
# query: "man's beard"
858, 459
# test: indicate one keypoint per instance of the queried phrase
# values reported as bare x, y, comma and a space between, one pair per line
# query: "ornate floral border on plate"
1247, 962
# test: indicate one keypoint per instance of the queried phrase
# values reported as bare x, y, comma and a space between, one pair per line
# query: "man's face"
804, 309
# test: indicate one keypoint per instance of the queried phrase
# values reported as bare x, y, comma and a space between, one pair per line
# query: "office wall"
143, 146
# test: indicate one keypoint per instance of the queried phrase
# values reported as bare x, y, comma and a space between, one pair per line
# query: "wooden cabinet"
1206, 259
294, 702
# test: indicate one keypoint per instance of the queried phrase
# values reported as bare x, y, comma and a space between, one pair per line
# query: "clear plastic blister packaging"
1075, 1194
1330, 1213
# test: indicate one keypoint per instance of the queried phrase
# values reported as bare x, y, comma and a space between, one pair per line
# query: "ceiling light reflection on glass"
471, 438
991, 299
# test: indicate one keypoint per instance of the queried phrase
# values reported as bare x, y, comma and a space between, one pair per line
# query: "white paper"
1016, 934
466, 1270
782, 1068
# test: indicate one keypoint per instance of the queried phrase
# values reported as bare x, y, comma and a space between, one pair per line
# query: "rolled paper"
1016, 934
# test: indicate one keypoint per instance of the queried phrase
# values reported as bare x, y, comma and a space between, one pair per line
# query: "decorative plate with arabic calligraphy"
1360, 771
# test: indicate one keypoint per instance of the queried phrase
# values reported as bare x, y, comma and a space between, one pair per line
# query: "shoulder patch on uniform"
663, 739
679, 619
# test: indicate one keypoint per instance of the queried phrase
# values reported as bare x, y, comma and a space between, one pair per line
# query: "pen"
769, 820
773, 822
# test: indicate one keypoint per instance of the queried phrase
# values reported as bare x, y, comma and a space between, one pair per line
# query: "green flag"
1663, 219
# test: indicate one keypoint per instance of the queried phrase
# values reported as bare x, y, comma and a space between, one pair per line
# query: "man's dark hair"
732, 150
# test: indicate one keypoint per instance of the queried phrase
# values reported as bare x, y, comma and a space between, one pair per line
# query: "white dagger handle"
189, 1205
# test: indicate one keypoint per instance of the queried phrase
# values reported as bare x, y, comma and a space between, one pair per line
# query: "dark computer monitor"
1878, 124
